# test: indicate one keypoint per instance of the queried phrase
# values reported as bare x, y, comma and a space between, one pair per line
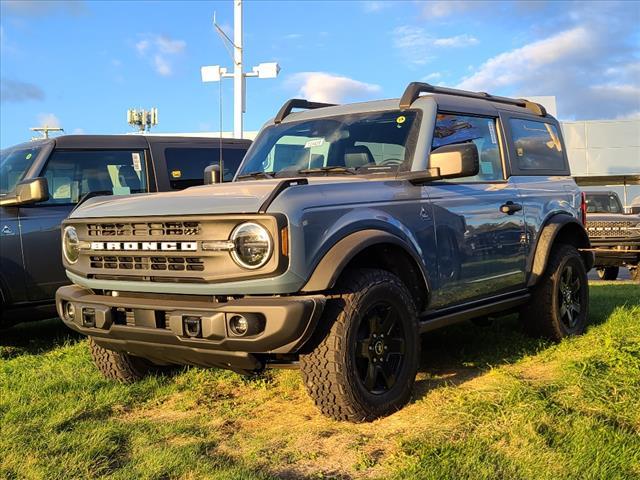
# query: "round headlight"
252, 245
70, 245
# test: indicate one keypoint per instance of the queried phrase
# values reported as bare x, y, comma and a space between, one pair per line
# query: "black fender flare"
329, 268
569, 229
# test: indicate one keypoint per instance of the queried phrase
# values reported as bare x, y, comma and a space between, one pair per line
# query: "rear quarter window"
536, 146
186, 165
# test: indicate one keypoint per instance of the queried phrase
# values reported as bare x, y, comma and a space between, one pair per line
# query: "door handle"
510, 208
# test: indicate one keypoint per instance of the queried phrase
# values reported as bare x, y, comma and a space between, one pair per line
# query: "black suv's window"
71, 174
186, 165
454, 128
14, 163
367, 141
603, 203
537, 145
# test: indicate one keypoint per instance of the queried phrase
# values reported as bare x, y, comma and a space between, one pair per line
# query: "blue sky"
82, 64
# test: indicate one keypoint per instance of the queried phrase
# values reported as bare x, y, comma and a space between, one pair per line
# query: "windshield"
369, 142
14, 163
603, 203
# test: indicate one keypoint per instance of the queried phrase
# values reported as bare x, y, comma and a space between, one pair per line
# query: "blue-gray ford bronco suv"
347, 232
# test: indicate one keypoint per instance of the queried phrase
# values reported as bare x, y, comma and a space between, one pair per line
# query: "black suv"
41, 182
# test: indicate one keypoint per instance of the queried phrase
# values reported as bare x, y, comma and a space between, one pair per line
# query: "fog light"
239, 325
69, 311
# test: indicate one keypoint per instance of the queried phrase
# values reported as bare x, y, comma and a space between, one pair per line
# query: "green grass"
489, 403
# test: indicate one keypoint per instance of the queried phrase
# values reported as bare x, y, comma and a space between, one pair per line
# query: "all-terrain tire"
341, 373
551, 313
119, 366
634, 273
608, 273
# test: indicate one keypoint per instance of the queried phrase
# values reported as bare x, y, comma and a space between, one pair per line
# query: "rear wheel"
608, 273
365, 366
634, 273
120, 366
559, 305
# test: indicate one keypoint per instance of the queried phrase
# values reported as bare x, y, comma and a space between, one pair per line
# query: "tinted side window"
186, 165
536, 145
454, 128
71, 174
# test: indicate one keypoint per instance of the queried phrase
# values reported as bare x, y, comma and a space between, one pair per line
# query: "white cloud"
445, 8
330, 88
457, 41
587, 67
292, 36
78, 131
418, 47
435, 76
375, 6
161, 65
161, 51
48, 120
169, 45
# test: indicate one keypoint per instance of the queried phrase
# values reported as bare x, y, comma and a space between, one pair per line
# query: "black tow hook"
192, 326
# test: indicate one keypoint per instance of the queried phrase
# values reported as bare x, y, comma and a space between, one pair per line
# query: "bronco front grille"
154, 263
612, 229
143, 229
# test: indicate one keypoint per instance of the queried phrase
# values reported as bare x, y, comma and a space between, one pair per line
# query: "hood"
235, 197
223, 198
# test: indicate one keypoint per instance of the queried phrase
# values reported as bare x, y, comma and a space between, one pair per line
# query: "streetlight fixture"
215, 73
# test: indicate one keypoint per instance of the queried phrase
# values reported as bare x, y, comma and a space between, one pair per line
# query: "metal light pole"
238, 78
214, 73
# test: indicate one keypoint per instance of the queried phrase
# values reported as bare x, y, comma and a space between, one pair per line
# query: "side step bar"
460, 315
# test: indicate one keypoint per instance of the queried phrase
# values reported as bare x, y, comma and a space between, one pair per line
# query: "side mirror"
457, 160
28, 191
212, 174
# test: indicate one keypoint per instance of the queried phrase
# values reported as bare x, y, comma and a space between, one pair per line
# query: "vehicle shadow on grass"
33, 338
459, 353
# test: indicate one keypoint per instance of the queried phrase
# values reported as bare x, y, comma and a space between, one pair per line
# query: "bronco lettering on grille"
146, 246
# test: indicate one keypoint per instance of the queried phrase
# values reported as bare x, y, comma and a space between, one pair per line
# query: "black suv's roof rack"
414, 89
298, 103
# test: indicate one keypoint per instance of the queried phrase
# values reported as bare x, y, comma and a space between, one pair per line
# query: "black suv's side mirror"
212, 174
29, 191
457, 160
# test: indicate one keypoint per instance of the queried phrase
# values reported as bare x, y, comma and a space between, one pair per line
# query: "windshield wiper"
256, 174
327, 170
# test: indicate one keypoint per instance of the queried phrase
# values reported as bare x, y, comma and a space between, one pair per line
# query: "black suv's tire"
608, 273
634, 273
366, 364
119, 366
559, 305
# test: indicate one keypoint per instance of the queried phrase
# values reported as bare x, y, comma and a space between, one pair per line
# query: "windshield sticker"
316, 142
492, 131
29, 155
176, 173
401, 119
137, 165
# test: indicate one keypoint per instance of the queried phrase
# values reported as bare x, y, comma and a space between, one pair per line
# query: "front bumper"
613, 252
162, 328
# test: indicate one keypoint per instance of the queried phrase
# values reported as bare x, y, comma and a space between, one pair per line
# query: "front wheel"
608, 273
120, 366
366, 364
559, 305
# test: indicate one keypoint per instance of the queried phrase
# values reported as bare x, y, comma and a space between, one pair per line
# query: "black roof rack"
298, 103
414, 89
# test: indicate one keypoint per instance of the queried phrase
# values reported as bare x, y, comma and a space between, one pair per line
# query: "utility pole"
238, 77
45, 131
214, 73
